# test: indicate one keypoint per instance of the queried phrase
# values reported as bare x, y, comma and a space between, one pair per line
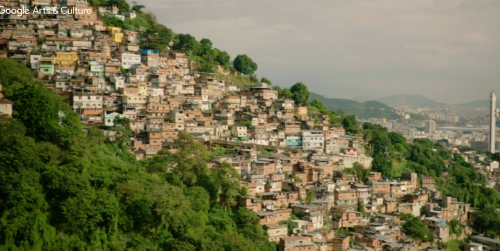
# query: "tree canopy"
244, 65
91, 193
350, 124
266, 80
300, 93
416, 228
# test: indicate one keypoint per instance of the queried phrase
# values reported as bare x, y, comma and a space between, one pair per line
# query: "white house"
129, 59
313, 140
35, 61
109, 118
86, 100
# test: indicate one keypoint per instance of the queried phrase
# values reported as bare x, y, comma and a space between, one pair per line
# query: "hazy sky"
447, 50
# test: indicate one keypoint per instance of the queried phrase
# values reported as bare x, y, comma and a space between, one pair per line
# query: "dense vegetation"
63, 187
369, 109
159, 37
416, 228
458, 178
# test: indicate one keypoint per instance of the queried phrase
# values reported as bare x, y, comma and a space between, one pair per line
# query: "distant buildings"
430, 126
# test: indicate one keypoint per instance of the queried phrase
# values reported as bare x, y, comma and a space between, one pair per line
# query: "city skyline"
355, 48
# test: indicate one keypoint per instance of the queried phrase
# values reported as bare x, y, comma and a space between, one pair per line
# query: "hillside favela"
118, 132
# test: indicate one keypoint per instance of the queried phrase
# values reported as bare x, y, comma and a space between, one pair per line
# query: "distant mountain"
476, 104
412, 101
361, 99
368, 109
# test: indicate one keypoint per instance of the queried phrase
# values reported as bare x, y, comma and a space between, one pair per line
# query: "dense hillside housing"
107, 76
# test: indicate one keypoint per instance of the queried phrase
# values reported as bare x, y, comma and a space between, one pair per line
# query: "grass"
240, 81
399, 167
454, 245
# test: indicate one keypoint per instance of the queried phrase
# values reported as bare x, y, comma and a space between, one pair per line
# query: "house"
6, 106
66, 58
151, 60
86, 15
46, 66
239, 131
428, 183
340, 243
128, 59
109, 117
87, 100
345, 218
277, 232
116, 33
296, 243
313, 140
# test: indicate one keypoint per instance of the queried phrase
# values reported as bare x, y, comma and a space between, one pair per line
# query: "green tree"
138, 8
228, 179
113, 21
223, 59
206, 46
488, 222
189, 162
310, 197
319, 105
90, 194
284, 93
157, 37
350, 124
265, 80
416, 228
382, 164
396, 138
45, 115
362, 173
122, 5
188, 44
244, 64
370, 126
300, 93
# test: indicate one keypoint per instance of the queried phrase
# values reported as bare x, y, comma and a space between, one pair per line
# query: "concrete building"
313, 140
129, 59
430, 126
493, 114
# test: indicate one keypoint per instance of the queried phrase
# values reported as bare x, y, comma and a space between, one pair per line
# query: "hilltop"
365, 110
412, 101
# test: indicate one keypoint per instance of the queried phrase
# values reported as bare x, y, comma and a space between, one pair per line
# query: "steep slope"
368, 109
412, 101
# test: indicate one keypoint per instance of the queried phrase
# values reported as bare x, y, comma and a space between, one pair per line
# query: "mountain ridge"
364, 110
476, 104
412, 101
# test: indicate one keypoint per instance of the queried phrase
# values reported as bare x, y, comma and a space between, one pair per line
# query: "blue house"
293, 141
149, 51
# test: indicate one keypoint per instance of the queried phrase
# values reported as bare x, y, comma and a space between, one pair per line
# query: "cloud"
438, 48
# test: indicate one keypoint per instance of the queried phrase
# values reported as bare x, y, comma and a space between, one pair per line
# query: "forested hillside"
392, 155
63, 187
369, 109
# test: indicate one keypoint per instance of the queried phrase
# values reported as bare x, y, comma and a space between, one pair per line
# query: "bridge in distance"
463, 128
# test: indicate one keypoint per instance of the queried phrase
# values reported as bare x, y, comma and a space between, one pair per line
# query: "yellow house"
51, 59
118, 37
143, 90
116, 33
112, 30
66, 58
